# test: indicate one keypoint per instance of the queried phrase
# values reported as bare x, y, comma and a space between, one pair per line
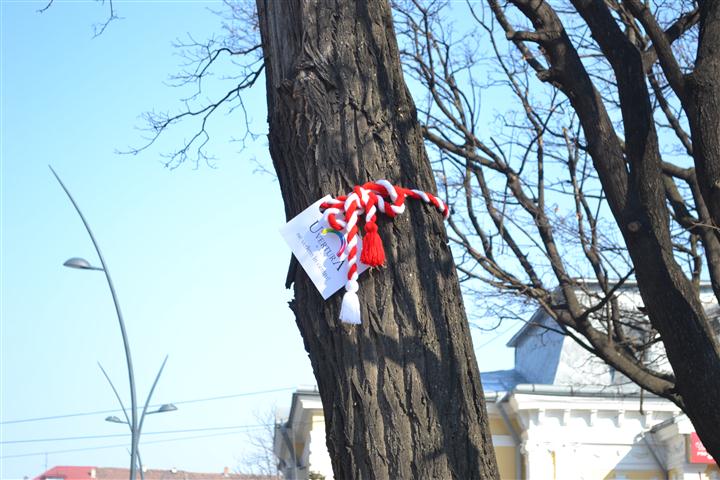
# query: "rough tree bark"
703, 106
401, 392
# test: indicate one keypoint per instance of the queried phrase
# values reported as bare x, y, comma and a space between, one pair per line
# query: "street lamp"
80, 263
136, 430
168, 407
114, 419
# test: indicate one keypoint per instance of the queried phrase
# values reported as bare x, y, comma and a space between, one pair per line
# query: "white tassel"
350, 310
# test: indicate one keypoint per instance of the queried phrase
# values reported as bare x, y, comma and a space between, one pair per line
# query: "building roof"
68, 473
501, 380
535, 320
712, 309
173, 474
110, 473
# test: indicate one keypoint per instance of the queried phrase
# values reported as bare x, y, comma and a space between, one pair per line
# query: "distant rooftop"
501, 380
110, 473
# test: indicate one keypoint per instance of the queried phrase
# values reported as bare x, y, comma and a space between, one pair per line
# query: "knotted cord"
342, 213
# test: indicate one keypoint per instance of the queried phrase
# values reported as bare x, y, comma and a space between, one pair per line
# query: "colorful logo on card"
343, 243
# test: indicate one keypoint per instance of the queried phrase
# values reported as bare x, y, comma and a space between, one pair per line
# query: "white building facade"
560, 414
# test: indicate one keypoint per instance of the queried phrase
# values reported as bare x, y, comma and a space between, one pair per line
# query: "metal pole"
126, 343
127, 418
140, 467
152, 389
144, 412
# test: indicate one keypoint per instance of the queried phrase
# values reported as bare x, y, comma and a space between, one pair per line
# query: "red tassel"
373, 253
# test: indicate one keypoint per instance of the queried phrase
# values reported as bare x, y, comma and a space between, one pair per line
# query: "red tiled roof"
101, 473
152, 474
67, 473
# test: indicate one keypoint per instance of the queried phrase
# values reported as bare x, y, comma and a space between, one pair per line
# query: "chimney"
226, 472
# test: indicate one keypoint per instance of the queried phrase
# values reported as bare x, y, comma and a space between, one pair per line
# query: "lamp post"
134, 430
83, 264
167, 407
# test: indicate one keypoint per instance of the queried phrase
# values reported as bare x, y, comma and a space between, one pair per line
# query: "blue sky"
194, 253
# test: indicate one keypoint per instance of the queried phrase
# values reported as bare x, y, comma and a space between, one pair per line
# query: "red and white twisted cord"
342, 213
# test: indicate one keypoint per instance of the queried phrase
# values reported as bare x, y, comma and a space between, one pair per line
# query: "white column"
538, 461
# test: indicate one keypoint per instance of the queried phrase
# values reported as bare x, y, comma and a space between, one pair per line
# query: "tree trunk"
673, 306
704, 108
631, 177
401, 392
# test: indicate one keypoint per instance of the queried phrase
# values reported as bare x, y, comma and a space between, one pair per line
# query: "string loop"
365, 201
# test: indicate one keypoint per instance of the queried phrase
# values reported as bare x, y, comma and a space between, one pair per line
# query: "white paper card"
320, 249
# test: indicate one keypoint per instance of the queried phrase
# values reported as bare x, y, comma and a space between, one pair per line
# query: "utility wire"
235, 395
123, 445
182, 402
497, 335
115, 435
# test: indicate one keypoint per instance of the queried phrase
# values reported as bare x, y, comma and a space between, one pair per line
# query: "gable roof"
535, 320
